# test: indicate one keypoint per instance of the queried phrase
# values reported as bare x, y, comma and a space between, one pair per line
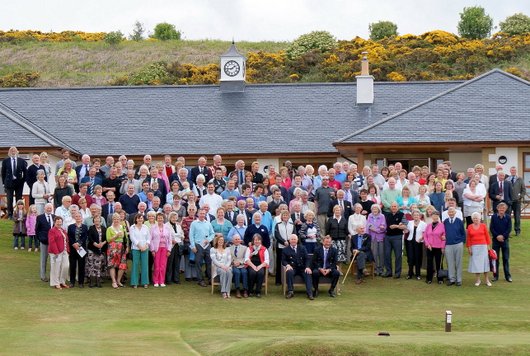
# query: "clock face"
232, 68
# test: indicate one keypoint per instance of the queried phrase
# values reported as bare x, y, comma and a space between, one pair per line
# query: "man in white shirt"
213, 200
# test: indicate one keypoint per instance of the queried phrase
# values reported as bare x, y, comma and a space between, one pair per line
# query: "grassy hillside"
96, 63
186, 319
435, 55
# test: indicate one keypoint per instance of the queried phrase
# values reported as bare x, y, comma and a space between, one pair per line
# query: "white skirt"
479, 260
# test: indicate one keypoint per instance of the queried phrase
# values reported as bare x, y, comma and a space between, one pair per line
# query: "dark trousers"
77, 263
17, 191
334, 275
173, 266
516, 208
255, 280
203, 256
299, 272
360, 262
150, 263
414, 257
393, 243
434, 260
503, 247
278, 263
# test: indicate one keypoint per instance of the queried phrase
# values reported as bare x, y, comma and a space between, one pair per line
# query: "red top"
478, 236
57, 241
335, 184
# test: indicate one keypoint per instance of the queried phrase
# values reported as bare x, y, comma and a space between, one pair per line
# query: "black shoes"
332, 294
509, 279
202, 284
310, 297
289, 295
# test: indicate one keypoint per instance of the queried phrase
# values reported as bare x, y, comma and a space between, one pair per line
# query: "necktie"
452, 220
232, 218
50, 220
500, 187
241, 180
325, 258
513, 179
14, 168
294, 250
235, 251
111, 208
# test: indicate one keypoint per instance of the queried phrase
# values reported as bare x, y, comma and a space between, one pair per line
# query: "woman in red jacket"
478, 240
58, 249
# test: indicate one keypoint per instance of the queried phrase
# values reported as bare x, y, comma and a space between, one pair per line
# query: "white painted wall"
511, 154
461, 161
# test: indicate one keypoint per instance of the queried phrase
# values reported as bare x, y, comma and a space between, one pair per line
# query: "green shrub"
19, 80
165, 31
382, 29
474, 23
114, 38
316, 40
516, 24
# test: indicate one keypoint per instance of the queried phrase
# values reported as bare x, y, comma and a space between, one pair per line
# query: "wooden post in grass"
448, 317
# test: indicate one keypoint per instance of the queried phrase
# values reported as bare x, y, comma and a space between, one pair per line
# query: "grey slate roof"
272, 118
493, 107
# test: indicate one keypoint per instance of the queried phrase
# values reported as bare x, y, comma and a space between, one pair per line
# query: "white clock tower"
232, 70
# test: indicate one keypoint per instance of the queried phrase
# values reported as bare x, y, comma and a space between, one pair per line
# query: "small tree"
382, 29
516, 24
113, 38
474, 23
165, 31
316, 40
138, 32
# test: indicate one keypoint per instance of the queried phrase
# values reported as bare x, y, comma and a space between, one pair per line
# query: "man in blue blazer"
501, 191
14, 170
325, 265
296, 262
361, 243
43, 224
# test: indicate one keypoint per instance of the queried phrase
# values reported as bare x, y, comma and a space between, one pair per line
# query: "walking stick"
349, 267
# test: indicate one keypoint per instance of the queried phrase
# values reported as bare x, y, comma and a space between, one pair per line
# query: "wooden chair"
369, 267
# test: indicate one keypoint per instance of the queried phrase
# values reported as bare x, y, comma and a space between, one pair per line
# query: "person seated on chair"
325, 265
257, 262
239, 270
296, 262
362, 251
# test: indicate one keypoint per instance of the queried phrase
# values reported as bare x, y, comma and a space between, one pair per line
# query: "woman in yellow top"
117, 250
440, 177
70, 172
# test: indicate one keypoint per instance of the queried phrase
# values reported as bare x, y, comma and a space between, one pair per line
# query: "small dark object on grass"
383, 333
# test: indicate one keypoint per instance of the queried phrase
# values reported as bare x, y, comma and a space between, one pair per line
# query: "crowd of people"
240, 226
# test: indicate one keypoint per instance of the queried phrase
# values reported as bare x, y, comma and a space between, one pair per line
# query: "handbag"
442, 273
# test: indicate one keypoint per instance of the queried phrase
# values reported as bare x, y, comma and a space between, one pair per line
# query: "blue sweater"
455, 233
500, 226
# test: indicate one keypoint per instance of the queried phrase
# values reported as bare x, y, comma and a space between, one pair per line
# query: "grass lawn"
187, 319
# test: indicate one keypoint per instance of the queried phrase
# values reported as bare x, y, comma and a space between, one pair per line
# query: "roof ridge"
20, 120
437, 96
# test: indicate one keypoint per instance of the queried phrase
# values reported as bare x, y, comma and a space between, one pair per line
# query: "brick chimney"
365, 83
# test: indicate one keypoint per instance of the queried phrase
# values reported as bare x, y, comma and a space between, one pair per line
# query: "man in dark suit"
346, 206
276, 201
161, 184
501, 191
14, 170
296, 262
518, 195
31, 176
230, 214
325, 265
361, 244
351, 194
82, 170
43, 225
201, 169
297, 217
239, 172
495, 177
109, 208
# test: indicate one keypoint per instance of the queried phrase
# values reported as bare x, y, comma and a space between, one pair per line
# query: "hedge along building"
366, 122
